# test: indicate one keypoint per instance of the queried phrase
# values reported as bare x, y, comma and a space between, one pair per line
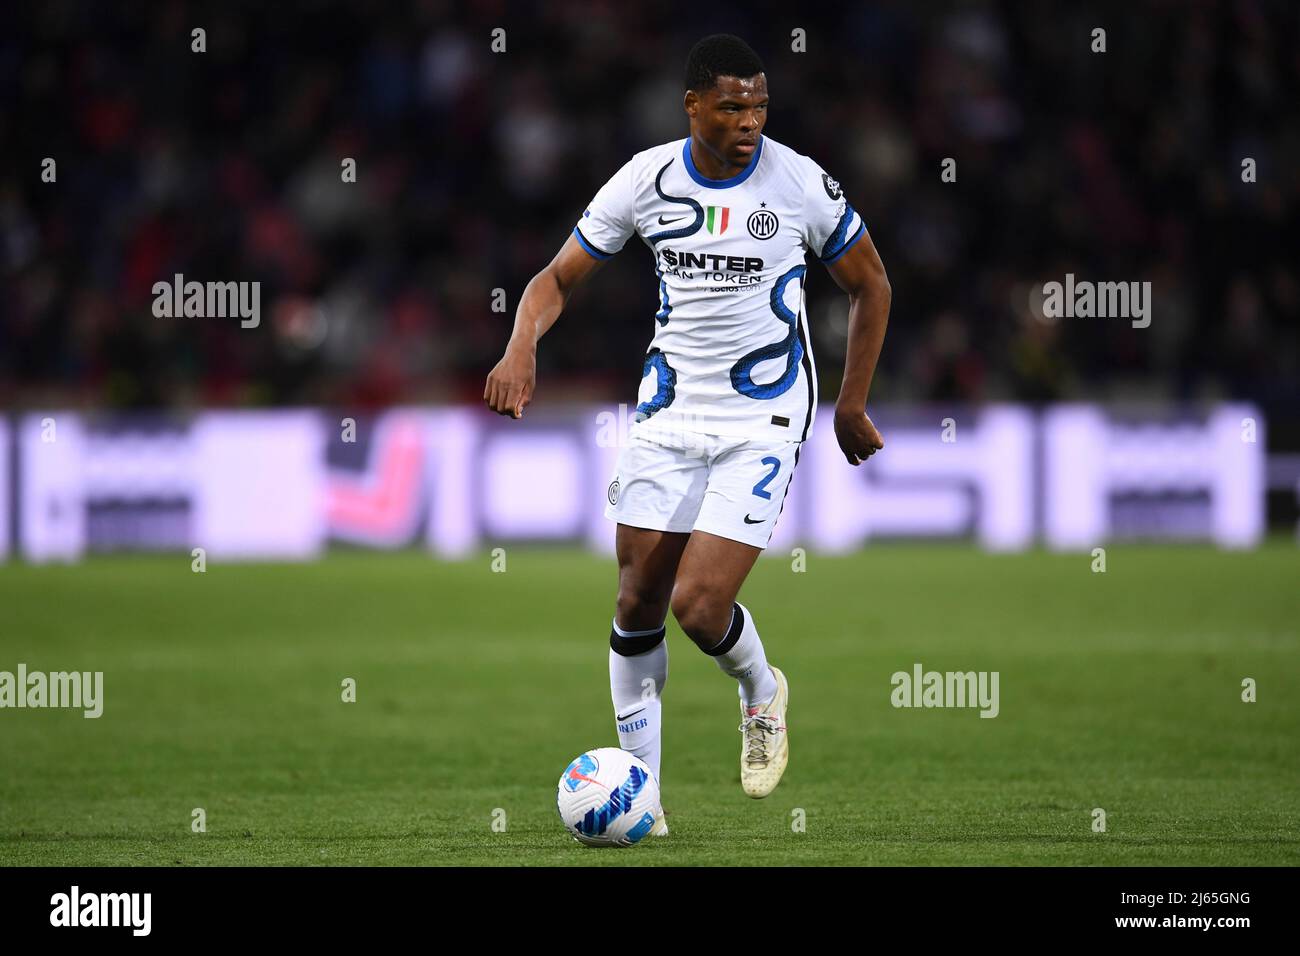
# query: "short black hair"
721, 54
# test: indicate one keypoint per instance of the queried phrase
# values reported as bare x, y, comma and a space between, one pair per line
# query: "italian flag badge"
716, 219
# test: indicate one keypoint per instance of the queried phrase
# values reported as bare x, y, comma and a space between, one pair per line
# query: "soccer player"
728, 391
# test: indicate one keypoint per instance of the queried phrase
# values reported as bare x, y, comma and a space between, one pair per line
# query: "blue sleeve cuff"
588, 247
862, 231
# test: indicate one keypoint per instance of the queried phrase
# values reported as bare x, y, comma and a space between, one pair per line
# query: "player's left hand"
857, 435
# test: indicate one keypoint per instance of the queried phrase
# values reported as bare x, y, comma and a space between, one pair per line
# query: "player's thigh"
709, 577
715, 566
647, 565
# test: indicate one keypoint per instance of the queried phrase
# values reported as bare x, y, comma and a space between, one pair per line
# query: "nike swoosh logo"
749, 520
664, 222
629, 716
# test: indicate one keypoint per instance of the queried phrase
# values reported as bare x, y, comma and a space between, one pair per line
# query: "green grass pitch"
1119, 691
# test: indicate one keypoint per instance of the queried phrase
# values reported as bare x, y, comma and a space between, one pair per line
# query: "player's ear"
690, 102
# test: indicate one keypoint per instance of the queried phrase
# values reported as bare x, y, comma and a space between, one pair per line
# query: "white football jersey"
731, 353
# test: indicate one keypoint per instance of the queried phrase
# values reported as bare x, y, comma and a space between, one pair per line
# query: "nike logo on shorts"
749, 520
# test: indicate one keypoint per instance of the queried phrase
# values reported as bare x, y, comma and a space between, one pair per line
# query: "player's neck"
709, 166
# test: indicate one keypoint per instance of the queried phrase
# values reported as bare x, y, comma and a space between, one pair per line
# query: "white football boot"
661, 824
764, 749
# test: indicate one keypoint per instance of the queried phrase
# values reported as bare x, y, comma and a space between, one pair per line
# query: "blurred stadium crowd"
472, 167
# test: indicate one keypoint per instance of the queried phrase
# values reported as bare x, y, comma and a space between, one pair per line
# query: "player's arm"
861, 274
510, 385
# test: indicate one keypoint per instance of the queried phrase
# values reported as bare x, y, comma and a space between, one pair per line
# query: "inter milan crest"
762, 224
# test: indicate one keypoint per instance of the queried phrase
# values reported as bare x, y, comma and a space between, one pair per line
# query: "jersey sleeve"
830, 225
608, 221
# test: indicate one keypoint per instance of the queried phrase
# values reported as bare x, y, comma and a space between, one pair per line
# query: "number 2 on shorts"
760, 488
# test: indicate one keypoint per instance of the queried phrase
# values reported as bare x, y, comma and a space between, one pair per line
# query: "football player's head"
726, 97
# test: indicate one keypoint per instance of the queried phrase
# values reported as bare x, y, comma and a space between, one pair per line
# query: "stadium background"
471, 168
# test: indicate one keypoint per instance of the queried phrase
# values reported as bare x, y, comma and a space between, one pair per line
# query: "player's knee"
700, 614
640, 609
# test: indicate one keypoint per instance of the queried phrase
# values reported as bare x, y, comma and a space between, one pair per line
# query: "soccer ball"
607, 797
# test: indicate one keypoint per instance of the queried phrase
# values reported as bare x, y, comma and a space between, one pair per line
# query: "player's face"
729, 117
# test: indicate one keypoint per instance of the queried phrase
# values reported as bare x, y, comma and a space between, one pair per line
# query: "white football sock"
740, 654
636, 681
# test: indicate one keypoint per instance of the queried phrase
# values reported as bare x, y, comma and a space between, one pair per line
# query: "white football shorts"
683, 481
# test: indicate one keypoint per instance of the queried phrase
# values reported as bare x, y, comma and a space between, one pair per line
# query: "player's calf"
740, 654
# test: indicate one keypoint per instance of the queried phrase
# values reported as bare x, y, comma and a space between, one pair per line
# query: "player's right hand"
509, 386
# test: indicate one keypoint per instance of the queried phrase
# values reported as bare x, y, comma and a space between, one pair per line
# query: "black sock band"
733, 633
631, 646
